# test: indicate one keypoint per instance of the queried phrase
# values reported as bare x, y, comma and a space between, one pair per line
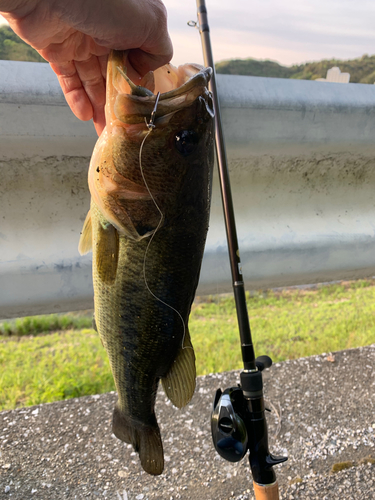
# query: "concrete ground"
66, 450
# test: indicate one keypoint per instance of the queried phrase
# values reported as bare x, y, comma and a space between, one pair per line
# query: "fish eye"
186, 141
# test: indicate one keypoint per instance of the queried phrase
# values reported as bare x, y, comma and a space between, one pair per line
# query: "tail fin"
146, 440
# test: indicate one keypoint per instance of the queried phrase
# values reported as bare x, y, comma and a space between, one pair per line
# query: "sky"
288, 31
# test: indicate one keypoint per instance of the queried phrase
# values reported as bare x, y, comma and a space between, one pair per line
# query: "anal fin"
179, 383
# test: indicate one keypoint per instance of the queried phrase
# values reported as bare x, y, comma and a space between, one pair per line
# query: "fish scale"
146, 267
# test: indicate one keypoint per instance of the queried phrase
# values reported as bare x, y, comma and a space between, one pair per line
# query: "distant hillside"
362, 70
12, 48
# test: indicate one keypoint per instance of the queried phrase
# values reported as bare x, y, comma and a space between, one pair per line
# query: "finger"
99, 127
75, 46
100, 123
74, 91
90, 74
103, 61
156, 51
144, 62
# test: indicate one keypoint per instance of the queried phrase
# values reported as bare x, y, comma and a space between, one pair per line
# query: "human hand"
75, 37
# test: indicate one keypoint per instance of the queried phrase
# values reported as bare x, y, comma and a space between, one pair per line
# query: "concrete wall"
302, 167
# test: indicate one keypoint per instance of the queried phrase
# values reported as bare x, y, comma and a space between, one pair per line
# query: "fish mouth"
117, 185
130, 103
197, 80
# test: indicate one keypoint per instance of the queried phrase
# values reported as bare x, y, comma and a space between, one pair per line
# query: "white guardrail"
302, 162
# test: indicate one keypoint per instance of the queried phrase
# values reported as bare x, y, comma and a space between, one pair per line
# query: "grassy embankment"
49, 358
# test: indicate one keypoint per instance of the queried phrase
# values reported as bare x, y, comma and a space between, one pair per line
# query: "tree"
12, 48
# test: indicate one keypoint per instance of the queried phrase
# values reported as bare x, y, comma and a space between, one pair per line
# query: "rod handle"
266, 492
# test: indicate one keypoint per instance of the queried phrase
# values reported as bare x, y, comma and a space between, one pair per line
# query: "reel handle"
263, 362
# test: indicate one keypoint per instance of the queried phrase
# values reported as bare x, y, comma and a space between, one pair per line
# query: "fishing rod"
238, 421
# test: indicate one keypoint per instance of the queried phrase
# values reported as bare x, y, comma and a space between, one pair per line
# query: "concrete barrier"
301, 156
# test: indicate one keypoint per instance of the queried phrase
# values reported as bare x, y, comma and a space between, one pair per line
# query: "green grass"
285, 325
39, 367
52, 367
32, 325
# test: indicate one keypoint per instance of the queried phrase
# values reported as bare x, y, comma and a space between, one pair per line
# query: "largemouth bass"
149, 181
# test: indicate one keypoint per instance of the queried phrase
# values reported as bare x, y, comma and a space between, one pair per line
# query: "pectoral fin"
179, 383
85, 241
107, 249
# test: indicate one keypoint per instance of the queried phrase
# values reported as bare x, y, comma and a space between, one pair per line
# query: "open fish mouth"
184, 108
179, 87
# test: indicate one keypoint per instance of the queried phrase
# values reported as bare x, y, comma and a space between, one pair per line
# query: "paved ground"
65, 450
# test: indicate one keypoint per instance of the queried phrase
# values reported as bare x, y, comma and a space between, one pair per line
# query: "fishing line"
150, 126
